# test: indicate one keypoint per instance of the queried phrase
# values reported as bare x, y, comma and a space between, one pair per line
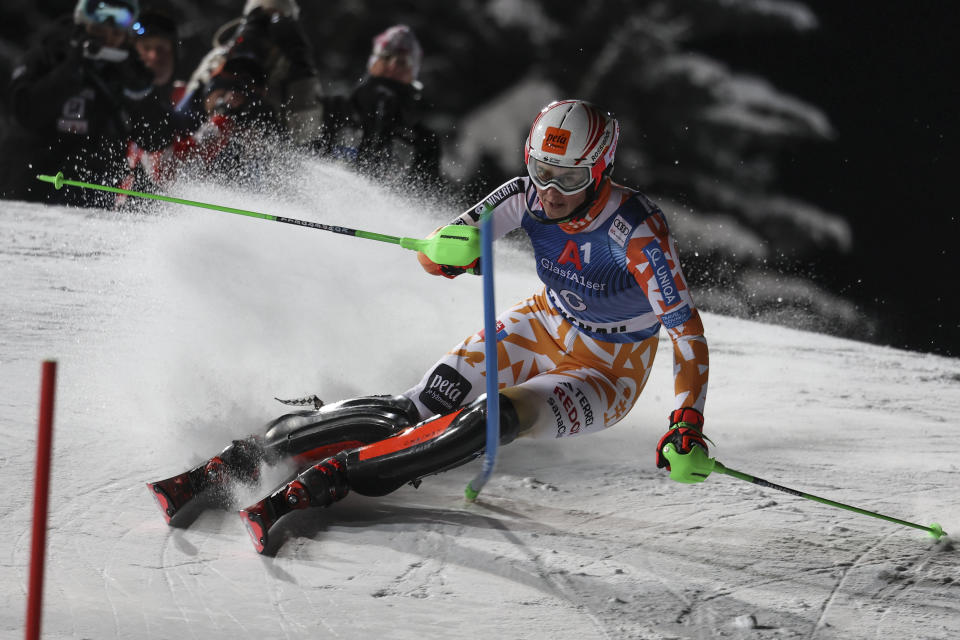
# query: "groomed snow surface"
174, 328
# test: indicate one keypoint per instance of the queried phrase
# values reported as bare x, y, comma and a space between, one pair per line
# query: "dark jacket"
74, 113
378, 127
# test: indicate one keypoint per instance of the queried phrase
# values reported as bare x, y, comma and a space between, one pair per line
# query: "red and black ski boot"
240, 461
319, 486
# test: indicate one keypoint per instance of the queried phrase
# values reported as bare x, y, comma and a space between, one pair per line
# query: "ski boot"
319, 486
239, 461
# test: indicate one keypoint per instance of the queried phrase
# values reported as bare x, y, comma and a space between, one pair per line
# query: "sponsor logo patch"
571, 409
676, 318
495, 198
572, 255
445, 390
661, 271
620, 230
556, 140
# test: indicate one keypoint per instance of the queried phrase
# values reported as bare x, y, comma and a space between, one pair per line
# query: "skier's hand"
451, 271
447, 270
683, 448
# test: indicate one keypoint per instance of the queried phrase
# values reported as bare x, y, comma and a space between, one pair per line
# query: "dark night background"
885, 75
879, 72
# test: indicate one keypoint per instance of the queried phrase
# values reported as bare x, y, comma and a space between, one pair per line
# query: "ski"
260, 517
239, 461
172, 494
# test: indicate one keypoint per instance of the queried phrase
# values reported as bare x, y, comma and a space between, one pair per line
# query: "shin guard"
435, 445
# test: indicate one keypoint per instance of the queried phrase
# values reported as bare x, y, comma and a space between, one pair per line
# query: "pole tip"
936, 531
470, 493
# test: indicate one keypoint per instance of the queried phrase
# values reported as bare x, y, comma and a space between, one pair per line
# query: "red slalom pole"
41, 493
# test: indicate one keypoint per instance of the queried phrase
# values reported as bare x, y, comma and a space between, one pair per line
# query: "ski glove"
450, 271
447, 270
683, 448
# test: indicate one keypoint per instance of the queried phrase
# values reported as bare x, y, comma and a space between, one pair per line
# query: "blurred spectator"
158, 45
379, 125
269, 31
238, 91
76, 99
233, 141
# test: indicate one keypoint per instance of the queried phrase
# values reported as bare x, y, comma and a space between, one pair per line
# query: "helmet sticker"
556, 140
603, 147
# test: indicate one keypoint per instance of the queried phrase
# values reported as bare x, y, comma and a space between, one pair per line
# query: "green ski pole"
456, 245
934, 529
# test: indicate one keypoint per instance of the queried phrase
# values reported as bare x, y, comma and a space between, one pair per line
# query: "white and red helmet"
571, 146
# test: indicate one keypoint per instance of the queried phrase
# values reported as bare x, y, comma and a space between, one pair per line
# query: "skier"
378, 127
572, 359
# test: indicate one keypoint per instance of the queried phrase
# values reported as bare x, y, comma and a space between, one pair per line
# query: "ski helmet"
571, 148
120, 13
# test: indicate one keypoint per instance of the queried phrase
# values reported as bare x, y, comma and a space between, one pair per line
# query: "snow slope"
174, 328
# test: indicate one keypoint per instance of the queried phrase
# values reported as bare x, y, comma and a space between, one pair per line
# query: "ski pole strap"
934, 529
490, 354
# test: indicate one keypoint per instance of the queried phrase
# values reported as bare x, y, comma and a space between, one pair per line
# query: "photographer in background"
76, 99
378, 127
235, 139
269, 32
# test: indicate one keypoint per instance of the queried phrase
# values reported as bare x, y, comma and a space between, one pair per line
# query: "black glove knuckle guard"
682, 437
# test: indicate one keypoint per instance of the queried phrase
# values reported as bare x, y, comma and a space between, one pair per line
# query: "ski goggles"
566, 180
119, 14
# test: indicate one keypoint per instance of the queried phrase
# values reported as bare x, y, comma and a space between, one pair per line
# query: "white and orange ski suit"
580, 351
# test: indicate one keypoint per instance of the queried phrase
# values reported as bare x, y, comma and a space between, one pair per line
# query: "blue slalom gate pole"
490, 344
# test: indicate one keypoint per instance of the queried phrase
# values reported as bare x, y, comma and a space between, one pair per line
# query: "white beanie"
398, 39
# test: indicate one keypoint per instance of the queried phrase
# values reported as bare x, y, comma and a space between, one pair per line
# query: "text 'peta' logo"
556, 140
445, 390
662, 273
